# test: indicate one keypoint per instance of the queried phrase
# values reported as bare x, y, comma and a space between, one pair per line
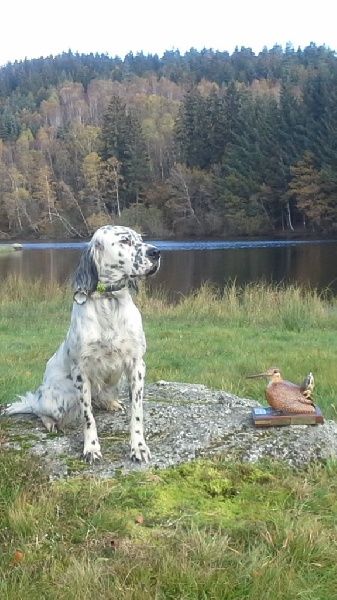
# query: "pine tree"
192, 131
309, 189
123, 140
114, 130
136, 161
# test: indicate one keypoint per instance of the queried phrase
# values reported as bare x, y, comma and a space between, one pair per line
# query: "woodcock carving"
286, 396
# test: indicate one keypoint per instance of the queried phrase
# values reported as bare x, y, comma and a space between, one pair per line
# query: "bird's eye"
126, 241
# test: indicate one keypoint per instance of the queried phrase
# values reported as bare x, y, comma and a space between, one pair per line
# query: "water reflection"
313, 266
309, 264
50, 265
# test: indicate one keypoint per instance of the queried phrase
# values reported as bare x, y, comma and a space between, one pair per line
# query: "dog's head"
115, 257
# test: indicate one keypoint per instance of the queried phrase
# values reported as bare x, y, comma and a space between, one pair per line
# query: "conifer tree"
192, 131
308, 189
123, 140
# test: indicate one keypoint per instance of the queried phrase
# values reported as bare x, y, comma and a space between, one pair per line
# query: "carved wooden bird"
286, 396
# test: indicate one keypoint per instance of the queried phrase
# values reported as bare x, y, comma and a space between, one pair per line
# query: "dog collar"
104, 288
80, 297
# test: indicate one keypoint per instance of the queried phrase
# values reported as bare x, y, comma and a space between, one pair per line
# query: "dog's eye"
126, 241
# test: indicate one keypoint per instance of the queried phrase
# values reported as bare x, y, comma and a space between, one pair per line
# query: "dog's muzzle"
154, 255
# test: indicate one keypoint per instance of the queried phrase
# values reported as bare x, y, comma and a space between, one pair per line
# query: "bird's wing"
287, 396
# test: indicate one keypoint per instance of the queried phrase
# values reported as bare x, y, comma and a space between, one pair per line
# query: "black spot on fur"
137, 419
139, 375
79, 378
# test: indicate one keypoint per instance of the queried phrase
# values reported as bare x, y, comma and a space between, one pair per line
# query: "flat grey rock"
182, 422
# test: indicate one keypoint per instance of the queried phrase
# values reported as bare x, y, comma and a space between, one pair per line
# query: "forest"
205, 143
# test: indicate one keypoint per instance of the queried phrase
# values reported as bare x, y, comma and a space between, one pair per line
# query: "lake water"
186, 265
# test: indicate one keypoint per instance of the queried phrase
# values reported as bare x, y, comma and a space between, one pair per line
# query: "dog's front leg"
136, 376
91, 449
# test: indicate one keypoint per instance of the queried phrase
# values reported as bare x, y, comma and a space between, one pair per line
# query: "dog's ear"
86, 275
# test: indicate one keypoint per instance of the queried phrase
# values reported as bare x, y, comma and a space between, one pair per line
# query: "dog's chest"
106, 336
105, 359
111, 345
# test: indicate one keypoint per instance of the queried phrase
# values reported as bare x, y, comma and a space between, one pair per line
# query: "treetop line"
205, 143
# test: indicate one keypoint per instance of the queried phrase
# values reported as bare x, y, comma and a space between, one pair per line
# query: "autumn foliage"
205, 143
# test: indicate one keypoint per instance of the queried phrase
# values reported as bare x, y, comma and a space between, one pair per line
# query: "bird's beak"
257, 375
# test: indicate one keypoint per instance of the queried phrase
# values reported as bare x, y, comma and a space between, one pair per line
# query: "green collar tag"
101, 287
104, 288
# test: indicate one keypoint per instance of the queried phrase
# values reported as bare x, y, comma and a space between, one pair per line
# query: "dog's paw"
116, 405
49, 424
92, 452
90, 457
139, 451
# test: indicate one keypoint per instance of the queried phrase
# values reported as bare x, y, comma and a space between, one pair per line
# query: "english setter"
105, 340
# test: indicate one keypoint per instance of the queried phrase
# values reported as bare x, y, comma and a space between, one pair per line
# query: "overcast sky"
33, 28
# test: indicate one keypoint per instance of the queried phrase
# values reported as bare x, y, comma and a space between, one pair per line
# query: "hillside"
205, 143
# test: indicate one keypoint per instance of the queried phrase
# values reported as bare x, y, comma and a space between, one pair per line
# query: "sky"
34, 28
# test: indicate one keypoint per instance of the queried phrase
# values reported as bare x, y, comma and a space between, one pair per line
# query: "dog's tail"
25, 405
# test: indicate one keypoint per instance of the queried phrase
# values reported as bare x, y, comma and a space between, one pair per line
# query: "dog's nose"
153, 253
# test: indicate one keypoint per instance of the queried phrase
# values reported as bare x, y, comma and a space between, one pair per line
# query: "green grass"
207, 530
218, 340
206, 338
202, 530
6, 249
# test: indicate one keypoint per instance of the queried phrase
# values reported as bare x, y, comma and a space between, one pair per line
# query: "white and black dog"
104, 341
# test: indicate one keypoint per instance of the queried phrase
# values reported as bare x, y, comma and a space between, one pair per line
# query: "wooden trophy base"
269, 417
